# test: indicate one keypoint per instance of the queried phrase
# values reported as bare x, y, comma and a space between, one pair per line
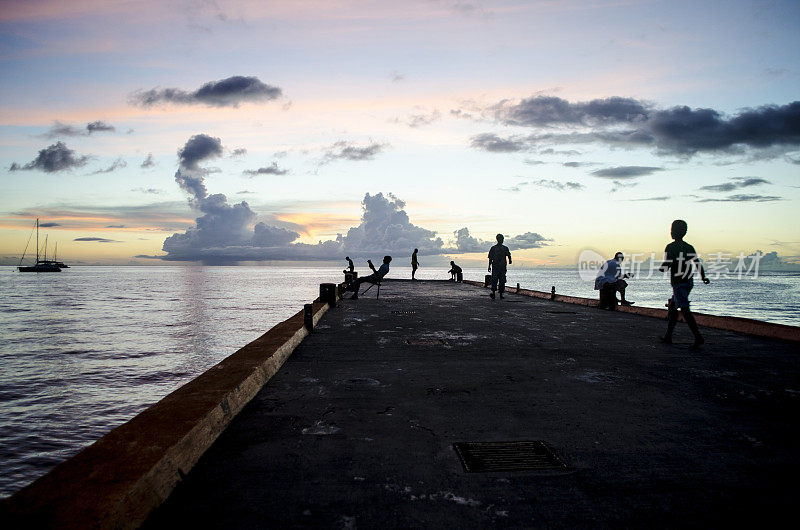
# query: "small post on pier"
327, 294
517, 287
553, 293
308, 317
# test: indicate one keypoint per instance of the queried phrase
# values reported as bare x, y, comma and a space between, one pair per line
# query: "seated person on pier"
610, 281
374, 278
350, 266
456, 274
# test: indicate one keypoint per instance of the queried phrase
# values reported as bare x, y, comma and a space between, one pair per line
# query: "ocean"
86, 349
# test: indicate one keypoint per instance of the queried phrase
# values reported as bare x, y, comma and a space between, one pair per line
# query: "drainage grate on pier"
506, 456
426, 342
403, 312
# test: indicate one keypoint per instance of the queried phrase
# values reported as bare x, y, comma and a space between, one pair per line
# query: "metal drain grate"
562, 312
403, 312
426, 342
506, 456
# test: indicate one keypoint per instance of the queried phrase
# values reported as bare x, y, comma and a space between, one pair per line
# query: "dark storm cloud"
347, 151
119, 163
745, 198
228, 92
495, 144
270, 170
57, 157
764, 132
96, 239
625, 172
738, 182
63, 129
543, 111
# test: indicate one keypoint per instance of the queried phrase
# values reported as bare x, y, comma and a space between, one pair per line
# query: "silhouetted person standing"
414, 263
497, 265
681, 259
350, 266
376, 276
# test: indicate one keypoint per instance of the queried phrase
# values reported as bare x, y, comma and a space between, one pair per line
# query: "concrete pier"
357, 428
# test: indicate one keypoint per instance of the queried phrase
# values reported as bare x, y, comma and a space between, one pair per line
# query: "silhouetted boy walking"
681, 259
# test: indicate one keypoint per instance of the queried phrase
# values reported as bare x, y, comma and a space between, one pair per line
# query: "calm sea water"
85, 350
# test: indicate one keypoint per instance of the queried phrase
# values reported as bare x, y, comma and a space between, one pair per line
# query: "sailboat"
44, 265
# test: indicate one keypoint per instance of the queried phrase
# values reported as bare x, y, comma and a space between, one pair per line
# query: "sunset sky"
135, 130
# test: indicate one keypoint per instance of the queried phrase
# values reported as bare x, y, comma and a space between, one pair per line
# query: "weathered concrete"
357, 427
749, 326
117, 481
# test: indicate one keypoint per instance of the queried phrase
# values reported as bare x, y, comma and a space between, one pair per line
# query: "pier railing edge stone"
741, 325
120, 479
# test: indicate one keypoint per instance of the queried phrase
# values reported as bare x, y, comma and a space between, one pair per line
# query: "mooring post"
327, 294
553, 293
308, 317
517, 287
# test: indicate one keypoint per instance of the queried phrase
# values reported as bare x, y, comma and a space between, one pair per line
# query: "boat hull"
35, 268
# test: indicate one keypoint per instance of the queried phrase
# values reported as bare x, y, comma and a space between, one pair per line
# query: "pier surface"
357, 428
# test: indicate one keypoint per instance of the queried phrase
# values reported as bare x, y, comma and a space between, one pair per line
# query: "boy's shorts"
680, 294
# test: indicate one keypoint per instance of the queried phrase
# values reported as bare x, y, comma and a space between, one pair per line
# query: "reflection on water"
85, 350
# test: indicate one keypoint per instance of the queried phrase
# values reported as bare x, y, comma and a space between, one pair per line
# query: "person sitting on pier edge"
350, 266
374, 278
610, 280
681, 259
414, 263
497, 265
456, 274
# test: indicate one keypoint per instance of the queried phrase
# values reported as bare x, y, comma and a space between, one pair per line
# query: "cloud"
661, 198
119, 163
547, 183
48, 225
230, 92
241, 151
150, 191
745, 198
578, 164
618, 185
62, 129
545, 111
625, 172
99, 126
115, 226
189, 176
148, 162
763, 132
422, 119
347, 151
96, 239
495, 144
57, 157
465, 243
738, 182
271, 170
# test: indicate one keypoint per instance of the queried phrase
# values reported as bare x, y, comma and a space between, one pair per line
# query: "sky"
156, 132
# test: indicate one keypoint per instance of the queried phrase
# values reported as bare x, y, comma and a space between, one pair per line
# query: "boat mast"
37, 240
45, 246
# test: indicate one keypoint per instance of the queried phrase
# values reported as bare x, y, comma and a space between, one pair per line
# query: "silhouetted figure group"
456, 273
